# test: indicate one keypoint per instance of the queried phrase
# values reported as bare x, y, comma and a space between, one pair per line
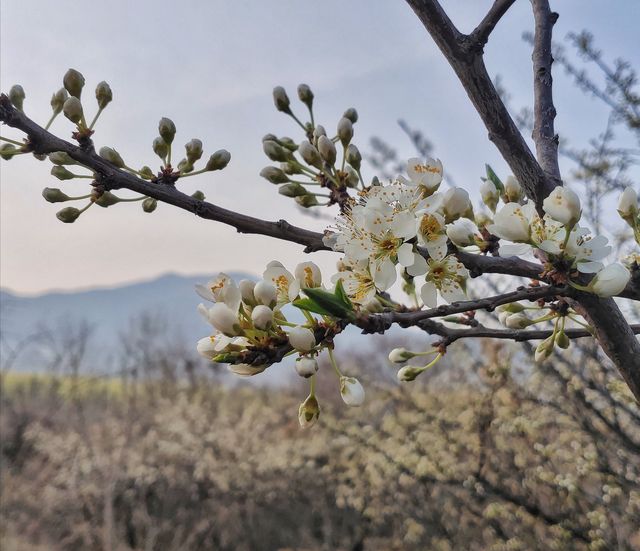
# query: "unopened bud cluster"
321, 168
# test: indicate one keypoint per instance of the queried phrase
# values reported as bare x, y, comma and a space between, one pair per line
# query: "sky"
210, 66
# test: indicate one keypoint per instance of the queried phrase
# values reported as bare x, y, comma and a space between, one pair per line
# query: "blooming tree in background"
405, 230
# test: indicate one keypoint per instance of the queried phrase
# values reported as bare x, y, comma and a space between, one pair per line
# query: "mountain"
169, 299
167, 305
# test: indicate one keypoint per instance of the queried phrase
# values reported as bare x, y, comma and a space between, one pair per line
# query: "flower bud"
562, 340
351, 114
262, 317
345, 131
292, 190
281, 100
111, 155
517, 321
306, 201
483, 219
628, 205
104, 95
184, 167
149, 204
107, 199
400, 355
16, 96
513, 190
310, 154
7, 151
353, 156
563, 205
511, 308
72, 109
265, 293
270, 138
308, 274
610, 281
544, 349
302, 339
61, 173
198, 195
246, 370
409, 373
73, 82
288, 143
274, 175
160, 148
246, 287
352, 179
317, 132
58, 99
61, 158
194, 150
456, 204
275, 151
219, 160
490, 194
167, 130
305, 95
290, 167
224, 319
54, 195
306, 366
352, 391
462, 232
68, 215
308, 412
327, 150
146, 173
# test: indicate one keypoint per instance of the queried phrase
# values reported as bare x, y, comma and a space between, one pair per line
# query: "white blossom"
287, 286
513, 222
221, 289
308, 274
425, 175
448, 276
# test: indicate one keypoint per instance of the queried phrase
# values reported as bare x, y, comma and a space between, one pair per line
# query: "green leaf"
335, 305
493, 177
310, 306
342, 295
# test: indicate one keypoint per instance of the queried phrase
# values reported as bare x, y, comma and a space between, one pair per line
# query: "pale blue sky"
210, 66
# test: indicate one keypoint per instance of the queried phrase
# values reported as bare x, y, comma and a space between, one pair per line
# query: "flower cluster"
399, 225
253, 332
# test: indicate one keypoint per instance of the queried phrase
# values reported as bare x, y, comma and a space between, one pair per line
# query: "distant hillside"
110, 312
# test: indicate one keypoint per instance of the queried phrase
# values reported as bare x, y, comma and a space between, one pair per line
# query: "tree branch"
544, 135
109, 176
481, 33
465, 57
378, 323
